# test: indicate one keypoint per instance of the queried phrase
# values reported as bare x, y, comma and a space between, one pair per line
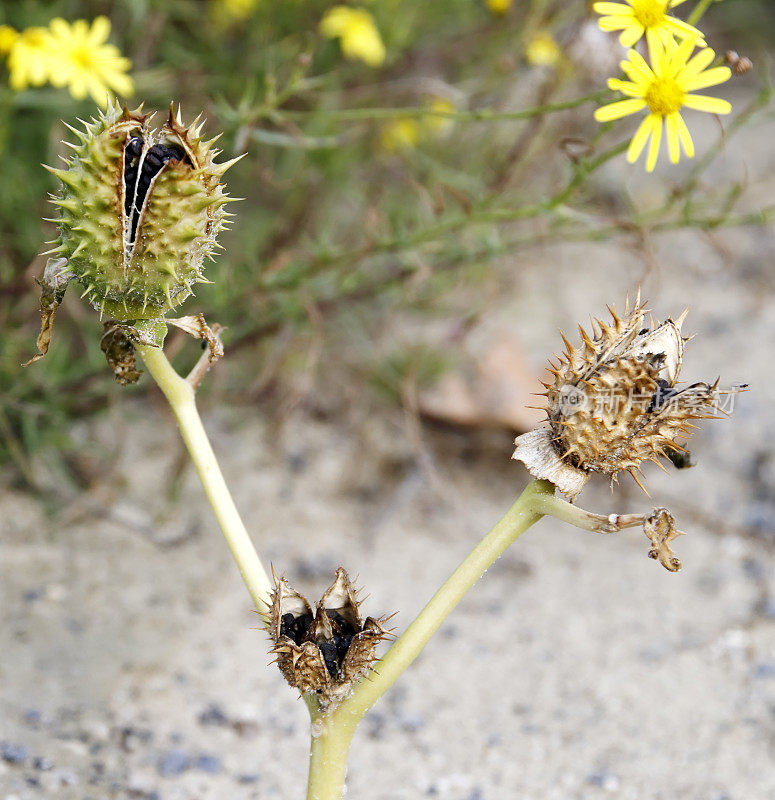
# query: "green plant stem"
180, 395
699, 10
280, 115
333, 732
329, 749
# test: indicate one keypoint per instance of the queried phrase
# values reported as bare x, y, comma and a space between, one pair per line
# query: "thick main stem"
332, 732
329, 751
180, 396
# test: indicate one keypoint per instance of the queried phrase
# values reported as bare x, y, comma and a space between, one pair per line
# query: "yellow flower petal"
625, 87
100, 31
696, 64
620, 109
7, 38
639, 65
609, 24
685, 136
612, 8
684, 30
639, 140
631, 35
673, 146
59, 27
656, 139
713, 105
710, 77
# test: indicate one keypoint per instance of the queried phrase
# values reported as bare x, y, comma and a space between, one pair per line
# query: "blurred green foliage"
336, 231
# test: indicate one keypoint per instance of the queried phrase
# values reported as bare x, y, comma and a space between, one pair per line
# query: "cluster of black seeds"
295, 627
136, 187
333, 652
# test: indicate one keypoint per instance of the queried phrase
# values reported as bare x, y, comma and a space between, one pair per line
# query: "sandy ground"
578, 669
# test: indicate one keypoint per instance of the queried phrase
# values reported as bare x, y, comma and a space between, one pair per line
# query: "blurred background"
427, 198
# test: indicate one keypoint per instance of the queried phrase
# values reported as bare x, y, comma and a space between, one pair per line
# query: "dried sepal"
614, 403
56, 277
197, 326
661, 530
323, 653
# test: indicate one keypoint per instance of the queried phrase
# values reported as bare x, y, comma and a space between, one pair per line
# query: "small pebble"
172, 763
208, 763
605, 780
766, 669
411, 722
42, 763
248, 777
33, 717
14, 753
213, 715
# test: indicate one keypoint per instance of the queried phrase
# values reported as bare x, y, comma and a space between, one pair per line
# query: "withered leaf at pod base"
326, 651
615, 403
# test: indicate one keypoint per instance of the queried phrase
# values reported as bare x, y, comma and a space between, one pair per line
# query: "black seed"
663, 393
339, 623
342, 645
134, 146
328, 651
295, 627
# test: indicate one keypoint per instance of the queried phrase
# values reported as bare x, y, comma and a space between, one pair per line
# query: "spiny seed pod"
614, 404
323, 653
139, 210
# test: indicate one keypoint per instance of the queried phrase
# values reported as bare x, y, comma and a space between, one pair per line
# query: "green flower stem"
699, 10
180, 396
332, 732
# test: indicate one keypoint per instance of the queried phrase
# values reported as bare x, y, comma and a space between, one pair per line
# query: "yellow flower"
649, 16
542, 50
226, 12
29, 59
664, 88
498, 6
84, 63
358, 35
402, 133
437, 123
7, 37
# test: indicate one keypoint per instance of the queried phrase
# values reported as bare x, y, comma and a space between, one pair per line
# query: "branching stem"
332, 732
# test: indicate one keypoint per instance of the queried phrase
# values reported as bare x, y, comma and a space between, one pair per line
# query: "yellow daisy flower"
664, 88
542, 50
29, 59
498, 6
84, 63
358, 35
402, 133
644, 16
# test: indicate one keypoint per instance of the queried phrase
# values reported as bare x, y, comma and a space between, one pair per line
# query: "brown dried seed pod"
739, 64
613, 403
323, 653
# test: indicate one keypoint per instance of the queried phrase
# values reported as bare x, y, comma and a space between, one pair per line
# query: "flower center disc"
649, 12
665, 96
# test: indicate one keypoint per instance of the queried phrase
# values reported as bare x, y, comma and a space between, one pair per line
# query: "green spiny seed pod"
139, 211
